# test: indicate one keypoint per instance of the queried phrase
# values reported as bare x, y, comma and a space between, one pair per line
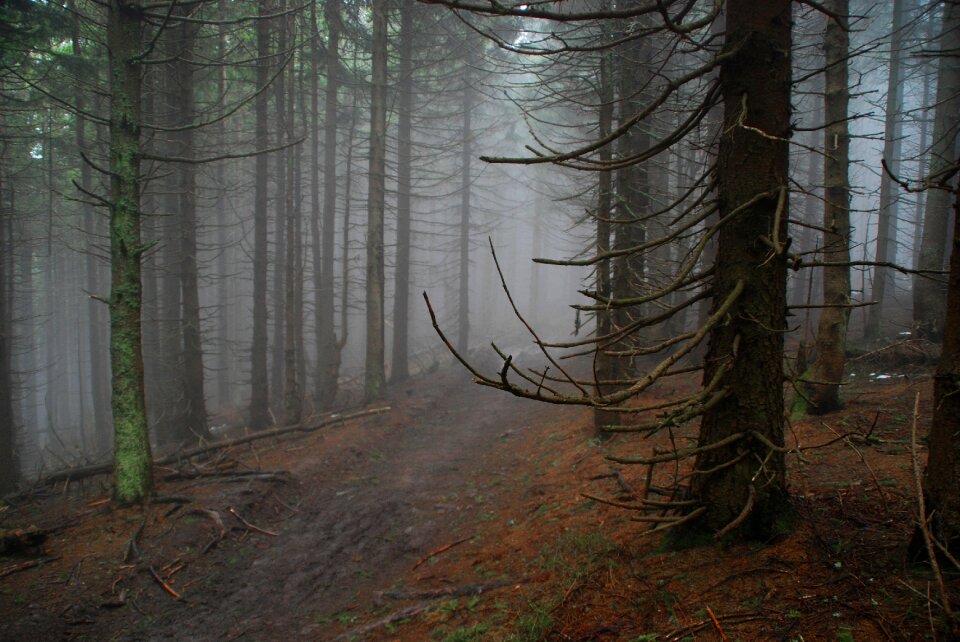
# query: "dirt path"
365, 517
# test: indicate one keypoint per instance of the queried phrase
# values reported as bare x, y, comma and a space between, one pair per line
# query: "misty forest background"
305, 170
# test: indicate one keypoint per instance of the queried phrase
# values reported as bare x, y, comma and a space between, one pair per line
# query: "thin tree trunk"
466, 159
281, 161
888, 209
375, 376
328, 355
292, 403
8, 461
132, 460
225, 311
194, 424
929, 296
746, 349
821, 384
400, 367
259, 392
603, 366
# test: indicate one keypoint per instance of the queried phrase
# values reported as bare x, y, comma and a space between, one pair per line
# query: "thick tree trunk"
745, 480
821, 383
375, 376
942, 476
929, 296
259, 393
466, 158
328, 354
883, 283
132, 461
401, 298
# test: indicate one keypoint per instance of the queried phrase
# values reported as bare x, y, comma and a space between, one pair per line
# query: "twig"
16, 568
217, 522
166, 587
922, 510
716, 623
396, 616
249, 525
442, 549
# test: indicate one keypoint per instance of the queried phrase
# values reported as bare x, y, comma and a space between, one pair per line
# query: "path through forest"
365, 517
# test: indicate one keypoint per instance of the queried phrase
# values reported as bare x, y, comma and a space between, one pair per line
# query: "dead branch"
450, 591
218, 524
166, 587
252, 527
82, 472
396, 616
440, 550
22, 566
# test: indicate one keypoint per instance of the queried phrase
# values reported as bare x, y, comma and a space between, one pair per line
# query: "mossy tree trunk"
132, 460
743, 484
820, 385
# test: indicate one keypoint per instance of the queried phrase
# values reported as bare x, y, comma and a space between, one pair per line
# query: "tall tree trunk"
328, 354
746, 348
8, 460
821, 384
132, 460
259, 392
194, 424
466, 158
888, 210
604, 369
400, 367
942, 476
281, 167
99, 376
929, 296
292, 313
224, 306
375, 376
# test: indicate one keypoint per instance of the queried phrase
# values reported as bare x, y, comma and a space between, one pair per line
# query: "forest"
479, 320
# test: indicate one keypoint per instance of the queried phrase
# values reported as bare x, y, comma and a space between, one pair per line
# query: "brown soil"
338, 539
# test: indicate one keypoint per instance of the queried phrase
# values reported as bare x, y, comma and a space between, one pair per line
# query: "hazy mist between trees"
220, 216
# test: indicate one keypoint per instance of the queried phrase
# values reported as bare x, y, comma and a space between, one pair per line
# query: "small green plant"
645, 637
474, 633
845, 635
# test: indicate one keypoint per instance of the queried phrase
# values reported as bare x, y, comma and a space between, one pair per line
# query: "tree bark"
328, 354
929, 295
942, 476
194, 424
746, 349
604, 369
292, 310
375, 376
132, 461
821, 384
8, 461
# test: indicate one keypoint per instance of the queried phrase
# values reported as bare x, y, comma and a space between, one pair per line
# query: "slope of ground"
459, 515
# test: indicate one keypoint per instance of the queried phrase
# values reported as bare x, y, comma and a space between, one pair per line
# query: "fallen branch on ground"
450, 591
442, 549
249, 525
402, 614
166, 587
16, 568
82, 472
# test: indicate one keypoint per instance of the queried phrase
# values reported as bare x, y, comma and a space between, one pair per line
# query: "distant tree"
259, 380
820, 385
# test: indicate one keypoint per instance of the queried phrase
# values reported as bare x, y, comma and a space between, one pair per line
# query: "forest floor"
459, 516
